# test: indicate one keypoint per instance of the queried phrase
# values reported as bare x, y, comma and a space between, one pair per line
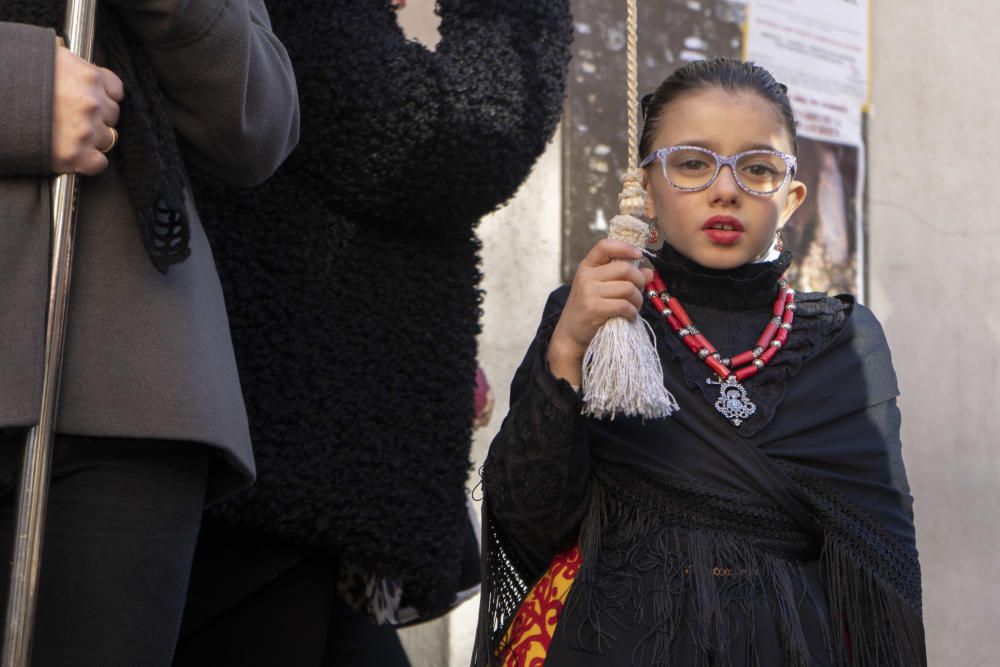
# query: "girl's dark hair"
727, 73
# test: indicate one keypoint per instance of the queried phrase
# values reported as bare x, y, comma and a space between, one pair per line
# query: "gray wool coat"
148, 355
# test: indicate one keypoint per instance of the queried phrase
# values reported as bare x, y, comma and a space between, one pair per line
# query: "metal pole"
33, 491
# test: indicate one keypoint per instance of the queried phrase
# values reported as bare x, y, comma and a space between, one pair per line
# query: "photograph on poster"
823, 233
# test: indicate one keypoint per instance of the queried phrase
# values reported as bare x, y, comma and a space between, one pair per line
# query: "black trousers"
256, 602
122, 522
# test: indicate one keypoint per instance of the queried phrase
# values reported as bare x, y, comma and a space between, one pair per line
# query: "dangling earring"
654, 235
779, 244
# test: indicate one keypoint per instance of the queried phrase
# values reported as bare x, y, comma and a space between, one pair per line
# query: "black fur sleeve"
424, 140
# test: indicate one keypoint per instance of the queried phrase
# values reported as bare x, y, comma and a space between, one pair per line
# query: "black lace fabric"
537, 474
536, 485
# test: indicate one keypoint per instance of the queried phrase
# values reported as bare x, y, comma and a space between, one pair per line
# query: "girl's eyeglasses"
693, 168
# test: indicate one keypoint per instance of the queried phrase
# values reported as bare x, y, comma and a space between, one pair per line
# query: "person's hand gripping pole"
34, 480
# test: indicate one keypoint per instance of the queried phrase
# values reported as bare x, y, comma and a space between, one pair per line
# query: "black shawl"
809, 503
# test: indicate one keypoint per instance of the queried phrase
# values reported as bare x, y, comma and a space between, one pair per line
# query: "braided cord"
632, 199
632, 75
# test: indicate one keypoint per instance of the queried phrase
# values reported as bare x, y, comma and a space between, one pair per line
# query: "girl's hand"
602, 288
85, 107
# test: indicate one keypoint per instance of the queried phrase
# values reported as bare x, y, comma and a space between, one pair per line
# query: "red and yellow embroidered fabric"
526, 642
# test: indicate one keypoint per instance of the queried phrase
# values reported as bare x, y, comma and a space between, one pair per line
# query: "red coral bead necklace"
734, 403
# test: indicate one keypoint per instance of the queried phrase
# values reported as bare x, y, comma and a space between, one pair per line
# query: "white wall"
934, 248
934, 252
520, 268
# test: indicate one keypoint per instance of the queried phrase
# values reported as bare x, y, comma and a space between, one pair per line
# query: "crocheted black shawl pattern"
147, 156
694, 533
351, 277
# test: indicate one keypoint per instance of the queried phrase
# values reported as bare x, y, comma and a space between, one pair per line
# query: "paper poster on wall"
820, 50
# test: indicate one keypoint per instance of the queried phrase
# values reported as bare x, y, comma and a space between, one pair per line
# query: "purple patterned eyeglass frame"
720, 160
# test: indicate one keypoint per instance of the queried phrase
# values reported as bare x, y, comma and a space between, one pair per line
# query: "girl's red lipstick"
723, 229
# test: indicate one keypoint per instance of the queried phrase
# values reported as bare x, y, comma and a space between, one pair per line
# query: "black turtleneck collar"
745, 287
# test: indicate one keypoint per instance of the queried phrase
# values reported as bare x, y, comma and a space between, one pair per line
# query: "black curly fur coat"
352, 276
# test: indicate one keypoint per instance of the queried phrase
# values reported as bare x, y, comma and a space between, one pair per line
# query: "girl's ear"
650, 208
796, 195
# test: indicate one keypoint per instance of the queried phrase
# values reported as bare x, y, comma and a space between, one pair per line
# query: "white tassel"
621, 369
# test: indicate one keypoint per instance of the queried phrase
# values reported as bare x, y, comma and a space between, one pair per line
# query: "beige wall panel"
934, 248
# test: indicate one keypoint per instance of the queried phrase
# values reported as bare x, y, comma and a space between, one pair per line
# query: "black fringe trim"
640, 571
673, 572
878, 627
503, 590
873, 582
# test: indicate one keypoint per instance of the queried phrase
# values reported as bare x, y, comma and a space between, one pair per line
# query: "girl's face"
727, 123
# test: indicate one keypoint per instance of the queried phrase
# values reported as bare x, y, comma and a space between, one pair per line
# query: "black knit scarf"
147, 157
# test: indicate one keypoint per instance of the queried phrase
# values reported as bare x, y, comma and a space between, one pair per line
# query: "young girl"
768, 521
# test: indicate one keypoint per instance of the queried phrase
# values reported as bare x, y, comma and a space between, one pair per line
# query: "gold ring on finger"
114, 140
